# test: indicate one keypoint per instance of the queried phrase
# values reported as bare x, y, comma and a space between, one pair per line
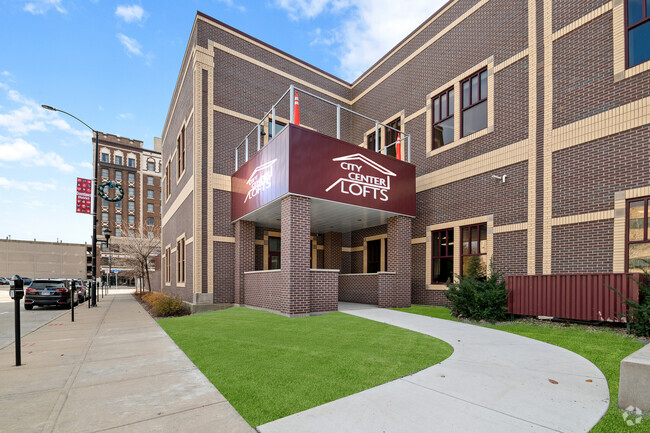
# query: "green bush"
165, 306
638, 313
479, 296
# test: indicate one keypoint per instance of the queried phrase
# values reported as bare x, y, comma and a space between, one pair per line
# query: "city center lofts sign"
304, 162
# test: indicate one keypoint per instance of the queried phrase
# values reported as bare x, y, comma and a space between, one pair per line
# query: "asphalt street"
29, 320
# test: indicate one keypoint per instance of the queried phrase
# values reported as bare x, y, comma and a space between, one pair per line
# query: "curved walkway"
493, 382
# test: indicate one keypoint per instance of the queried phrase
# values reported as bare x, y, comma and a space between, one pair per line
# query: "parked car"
82, 290
26, 281
48, 292
4, 281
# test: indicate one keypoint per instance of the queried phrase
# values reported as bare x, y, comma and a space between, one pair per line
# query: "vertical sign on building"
84, 196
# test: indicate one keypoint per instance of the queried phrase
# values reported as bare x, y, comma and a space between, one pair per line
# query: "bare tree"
139, 250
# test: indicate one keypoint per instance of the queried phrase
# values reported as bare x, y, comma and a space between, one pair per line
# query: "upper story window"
180, 150
118, 160
118, 175
118, 233
638, 234
151, 166
391, 136
150, 207
104, 157
150, 221
131, 191
105, 173
149, 180
131, 162
131, 205
132, 177
105, 217
168, 173
637, 24
443, 118
150, 193
370, 140
474, 103
131, 219
118, 204
105, 202
180, 260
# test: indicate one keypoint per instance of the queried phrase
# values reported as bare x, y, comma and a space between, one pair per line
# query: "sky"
114, 65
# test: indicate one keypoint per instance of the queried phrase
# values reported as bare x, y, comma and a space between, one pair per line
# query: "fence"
572, 296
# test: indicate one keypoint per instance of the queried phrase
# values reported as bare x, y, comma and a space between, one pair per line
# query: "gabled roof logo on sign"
260, 179
360, 180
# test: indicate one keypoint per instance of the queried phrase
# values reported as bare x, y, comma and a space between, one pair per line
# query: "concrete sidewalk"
113, 369
493, 382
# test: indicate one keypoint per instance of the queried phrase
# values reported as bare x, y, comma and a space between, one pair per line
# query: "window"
370, 140
118, 232
118, 204
105, 173
279, 126
150, 193
131, 205
118, 175
104, 157
150, 235
274, 252
105, 217
637, 24
180, 260
473, 248
167, 180
149, 180
131, 162
168, 265
180, 149
150, 221
118, 160
131, 177
131, 219
118, 218
131, 191
151, 166
474, 111
638, 234
105, 202
443, 118
391, 137
442, 266
150, 207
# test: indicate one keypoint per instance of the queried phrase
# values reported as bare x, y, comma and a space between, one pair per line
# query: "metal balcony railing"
258, 129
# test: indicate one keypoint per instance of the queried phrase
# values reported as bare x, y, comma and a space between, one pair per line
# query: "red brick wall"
244, 256
399, 262
389, 293
332, 250
265, 289
583, 248
324, 291
510, 252
295, 249
360, 288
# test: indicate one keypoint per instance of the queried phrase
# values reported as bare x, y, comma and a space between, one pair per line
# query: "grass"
269, 366
602, 346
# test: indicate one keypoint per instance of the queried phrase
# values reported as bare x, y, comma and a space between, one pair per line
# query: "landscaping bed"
603, 346
269, 366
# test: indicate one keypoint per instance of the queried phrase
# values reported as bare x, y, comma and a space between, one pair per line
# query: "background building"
35, 259
530, 126
138, 171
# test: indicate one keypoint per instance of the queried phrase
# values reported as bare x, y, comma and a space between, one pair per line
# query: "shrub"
638, 313
479, 296
164, 306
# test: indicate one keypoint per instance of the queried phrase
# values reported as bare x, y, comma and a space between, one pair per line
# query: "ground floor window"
274, 253
180, 260
442, 266
168, 265
474, 249
374, 256
638, 234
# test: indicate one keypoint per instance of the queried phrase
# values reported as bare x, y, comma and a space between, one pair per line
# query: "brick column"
295, 254
399, 261
244, 256
332, 250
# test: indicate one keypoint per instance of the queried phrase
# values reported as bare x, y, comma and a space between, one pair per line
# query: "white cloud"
17, 150
40, 7
125, 116
25, 186
367, 29
130, 44
130, 13
31, 117
85, 164
6, 74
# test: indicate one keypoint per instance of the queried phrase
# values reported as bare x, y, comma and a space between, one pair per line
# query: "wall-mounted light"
501, 178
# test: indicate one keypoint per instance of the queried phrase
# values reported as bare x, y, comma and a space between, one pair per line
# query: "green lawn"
604, 347
269, 366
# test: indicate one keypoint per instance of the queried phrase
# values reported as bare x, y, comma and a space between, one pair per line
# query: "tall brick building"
529, 131
138, 171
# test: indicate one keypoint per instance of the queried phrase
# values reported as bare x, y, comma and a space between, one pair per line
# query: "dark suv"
48, 292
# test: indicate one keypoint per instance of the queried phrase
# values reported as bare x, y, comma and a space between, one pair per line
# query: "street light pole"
93, 290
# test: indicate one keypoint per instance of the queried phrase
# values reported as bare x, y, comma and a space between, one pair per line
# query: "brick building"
528, 127
138, 171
